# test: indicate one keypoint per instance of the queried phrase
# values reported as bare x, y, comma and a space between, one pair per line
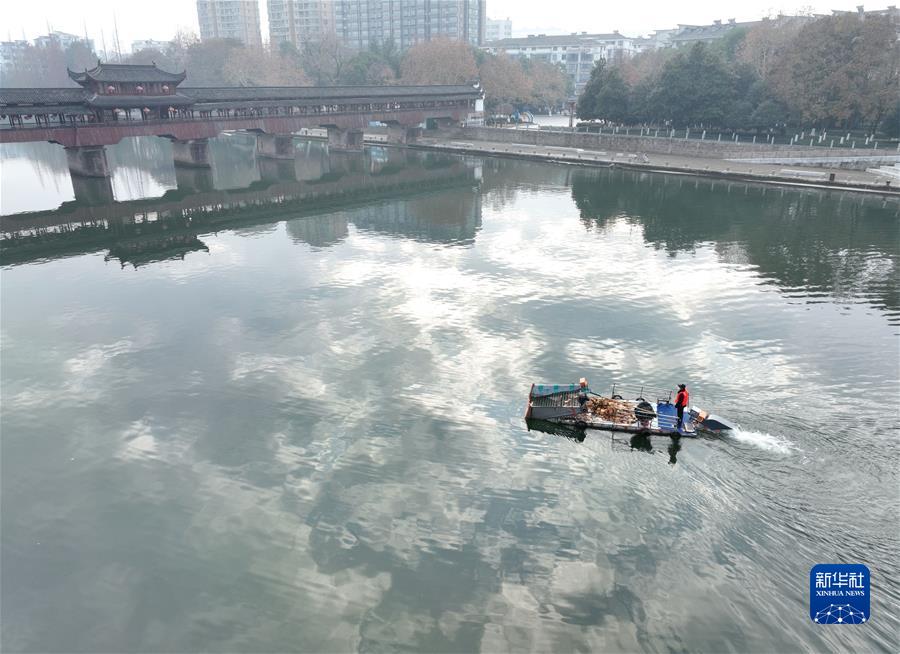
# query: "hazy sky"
160, 19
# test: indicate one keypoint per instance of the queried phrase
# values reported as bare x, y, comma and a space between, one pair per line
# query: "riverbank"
769, 173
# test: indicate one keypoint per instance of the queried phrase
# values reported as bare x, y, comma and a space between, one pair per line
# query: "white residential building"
576, 52
61, 39
150, 44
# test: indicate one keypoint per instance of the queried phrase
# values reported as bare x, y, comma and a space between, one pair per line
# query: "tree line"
508, 83
829, 72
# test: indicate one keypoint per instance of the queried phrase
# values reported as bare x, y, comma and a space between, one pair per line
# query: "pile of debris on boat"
611, 410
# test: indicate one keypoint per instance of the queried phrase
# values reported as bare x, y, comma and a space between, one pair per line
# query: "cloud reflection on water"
314, 437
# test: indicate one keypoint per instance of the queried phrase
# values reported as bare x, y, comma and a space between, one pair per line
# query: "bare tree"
440, 61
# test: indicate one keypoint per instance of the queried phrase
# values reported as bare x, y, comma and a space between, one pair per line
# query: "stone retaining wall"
659, 145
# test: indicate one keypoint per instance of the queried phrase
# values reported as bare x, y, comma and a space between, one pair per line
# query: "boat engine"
644, 412
709, 422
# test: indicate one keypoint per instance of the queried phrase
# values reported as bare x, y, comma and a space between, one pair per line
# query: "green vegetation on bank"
830, 72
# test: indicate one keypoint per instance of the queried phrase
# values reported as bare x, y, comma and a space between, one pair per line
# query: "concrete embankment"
783, 166
859, 159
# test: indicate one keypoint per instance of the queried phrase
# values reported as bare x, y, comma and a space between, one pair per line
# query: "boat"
575, 405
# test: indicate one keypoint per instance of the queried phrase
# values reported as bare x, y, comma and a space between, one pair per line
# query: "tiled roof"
29, 109
126, 73
41, 96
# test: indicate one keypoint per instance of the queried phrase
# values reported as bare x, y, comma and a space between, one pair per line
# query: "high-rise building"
361, 23
230, 19
498, 29
12, 53
299, 21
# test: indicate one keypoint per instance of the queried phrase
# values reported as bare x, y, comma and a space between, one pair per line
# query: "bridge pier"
87, 161
92, 191
402, 135
193, 153
193, 179
273, 169
275, 146
350, 140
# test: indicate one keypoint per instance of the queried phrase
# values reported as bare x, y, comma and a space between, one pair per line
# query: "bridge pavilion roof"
125, 73
42, 96
36, 101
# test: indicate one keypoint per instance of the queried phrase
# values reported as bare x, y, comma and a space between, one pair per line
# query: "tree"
612, 101
79, 55
642, 105
46, 66
841, 71
504, 82
324, 60
550, 86
205, 60
875, 71
605, 95
695, 88
162, 59
768, 115
647, 65
250, 66
728, 45
765, 45
586, 109
380, 64
439, 61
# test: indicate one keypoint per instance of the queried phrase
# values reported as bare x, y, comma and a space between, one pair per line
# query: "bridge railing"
106, 118
836, 140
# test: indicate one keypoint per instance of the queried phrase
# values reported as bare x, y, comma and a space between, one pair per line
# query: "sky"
161, 19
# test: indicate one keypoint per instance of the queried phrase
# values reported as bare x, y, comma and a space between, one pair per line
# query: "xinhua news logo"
839, 593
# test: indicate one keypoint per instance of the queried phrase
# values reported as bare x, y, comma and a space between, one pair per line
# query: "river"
278, 406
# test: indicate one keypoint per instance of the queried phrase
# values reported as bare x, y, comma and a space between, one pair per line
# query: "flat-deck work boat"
576, 406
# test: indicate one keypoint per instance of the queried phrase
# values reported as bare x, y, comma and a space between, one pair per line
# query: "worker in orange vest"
681, 401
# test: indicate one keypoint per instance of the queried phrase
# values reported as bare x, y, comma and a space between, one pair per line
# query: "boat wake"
762, 440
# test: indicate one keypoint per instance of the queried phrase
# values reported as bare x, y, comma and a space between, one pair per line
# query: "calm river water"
288, 416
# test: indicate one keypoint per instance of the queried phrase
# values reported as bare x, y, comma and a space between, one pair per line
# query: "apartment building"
576, 52
362, 23
230, 19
